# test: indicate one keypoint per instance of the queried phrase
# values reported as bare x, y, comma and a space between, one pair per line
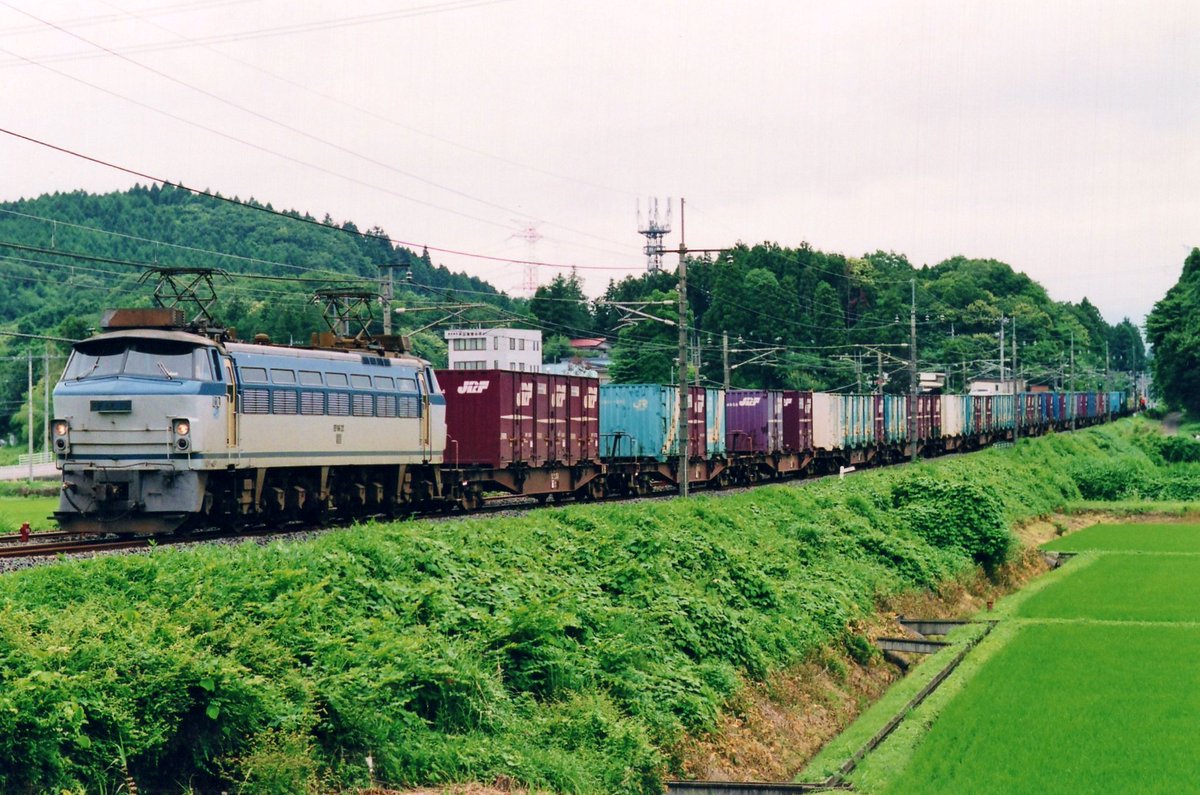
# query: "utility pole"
1016, 396
725, 357
681, 428
1071, 388
45, 398
879, 377
912, 372
1003, 320
1107, 383
388, 287
30, 429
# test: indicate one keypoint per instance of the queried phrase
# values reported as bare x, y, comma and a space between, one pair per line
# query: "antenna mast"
654, 229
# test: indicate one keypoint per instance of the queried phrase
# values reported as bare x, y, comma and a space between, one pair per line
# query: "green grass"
1089, 685
1131, 537
1124, 587
35, 510
1071, 708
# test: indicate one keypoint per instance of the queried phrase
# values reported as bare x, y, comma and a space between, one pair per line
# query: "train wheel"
472, 500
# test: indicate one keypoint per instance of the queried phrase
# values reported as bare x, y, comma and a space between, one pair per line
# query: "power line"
302, 219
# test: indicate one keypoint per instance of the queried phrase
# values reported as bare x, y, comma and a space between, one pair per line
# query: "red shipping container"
496, 418
880, 424
929, 416
797, 421
697, 423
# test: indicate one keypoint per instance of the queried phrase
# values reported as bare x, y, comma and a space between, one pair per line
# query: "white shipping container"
827, 421
954, 409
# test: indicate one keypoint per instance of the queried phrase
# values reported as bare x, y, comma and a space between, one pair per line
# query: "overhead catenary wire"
307, 220
294, 130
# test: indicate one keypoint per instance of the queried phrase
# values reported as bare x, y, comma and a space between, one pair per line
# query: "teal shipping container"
641, 421
714, 416
895, 418
1004, 412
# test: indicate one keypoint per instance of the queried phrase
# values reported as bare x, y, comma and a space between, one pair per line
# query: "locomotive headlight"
181, 427
60, 429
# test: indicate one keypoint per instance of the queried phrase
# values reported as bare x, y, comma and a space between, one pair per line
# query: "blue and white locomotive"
160, 428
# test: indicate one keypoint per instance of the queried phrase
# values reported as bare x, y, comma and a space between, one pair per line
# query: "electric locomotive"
162, 427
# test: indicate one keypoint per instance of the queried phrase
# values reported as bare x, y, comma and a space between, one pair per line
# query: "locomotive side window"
360, 381
283, 376
310, 378
337, 379
408, 384
384, 382
254, 375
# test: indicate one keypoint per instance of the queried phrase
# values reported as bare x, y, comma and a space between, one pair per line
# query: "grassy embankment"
570, 649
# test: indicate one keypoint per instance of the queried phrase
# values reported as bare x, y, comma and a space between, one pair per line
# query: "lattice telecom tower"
654, 230
530, 234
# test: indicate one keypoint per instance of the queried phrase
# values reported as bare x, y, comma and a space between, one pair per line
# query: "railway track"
52, 543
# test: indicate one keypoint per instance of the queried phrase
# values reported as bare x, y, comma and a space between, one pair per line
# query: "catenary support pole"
912, 372
681, 428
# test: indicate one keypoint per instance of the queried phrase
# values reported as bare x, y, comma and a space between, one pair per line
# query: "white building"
495, 349
982, 387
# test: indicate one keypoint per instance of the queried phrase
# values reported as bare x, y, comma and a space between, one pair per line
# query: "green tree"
562, 308
1173, 330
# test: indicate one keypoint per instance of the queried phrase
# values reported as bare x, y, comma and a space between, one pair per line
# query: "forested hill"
803, 318
105, 240
66, 257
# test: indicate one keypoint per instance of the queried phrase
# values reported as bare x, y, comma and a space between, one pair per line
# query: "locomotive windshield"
168, 359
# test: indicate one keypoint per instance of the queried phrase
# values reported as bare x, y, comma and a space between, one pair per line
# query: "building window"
522, 345
495, 343
512, 344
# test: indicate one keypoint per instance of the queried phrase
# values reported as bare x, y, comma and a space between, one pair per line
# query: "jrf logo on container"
473, 387
749, 400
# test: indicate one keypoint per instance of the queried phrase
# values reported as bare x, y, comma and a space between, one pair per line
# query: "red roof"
588, 342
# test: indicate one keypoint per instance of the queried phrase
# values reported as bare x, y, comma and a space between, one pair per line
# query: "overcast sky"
1060, 137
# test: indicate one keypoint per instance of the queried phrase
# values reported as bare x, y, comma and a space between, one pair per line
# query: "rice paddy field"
1090, 684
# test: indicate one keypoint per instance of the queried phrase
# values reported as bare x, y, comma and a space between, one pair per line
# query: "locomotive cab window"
146, 358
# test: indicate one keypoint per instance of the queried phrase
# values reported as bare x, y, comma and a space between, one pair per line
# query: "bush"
957, 516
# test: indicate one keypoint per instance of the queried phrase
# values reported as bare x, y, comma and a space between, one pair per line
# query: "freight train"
160, 428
